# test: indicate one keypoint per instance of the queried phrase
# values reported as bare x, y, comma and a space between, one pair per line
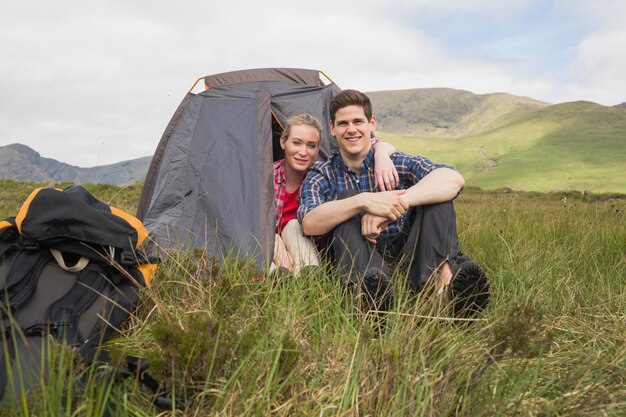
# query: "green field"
572, 146
551, 343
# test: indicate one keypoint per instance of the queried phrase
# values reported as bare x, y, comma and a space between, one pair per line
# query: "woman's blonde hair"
304, 119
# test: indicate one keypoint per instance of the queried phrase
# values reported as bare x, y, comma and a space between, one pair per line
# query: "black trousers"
428, 238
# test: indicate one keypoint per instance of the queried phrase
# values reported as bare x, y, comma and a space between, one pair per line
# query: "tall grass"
551, 343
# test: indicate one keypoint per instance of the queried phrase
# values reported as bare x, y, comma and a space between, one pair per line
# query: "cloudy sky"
96, 82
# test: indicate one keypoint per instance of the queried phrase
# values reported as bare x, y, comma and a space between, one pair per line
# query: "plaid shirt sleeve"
411, 169
279, 188
316, 189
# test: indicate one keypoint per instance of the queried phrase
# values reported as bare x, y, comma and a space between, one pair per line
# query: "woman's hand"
281, 255
385, 172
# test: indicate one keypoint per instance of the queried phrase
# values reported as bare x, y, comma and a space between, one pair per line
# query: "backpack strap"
8, 235
77, 267
23, 274
66, 311
137, 368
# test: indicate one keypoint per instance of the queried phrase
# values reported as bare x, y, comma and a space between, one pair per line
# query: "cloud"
474, 7
92, 83
599, 58
599, 15
599, 69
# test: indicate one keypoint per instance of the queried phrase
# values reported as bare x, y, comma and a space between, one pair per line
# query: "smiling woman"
300, 142
301, 146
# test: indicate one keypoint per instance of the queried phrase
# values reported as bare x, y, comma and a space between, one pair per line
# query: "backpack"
70, 267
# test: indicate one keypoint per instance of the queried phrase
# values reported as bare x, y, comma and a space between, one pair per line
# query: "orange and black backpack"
70, 267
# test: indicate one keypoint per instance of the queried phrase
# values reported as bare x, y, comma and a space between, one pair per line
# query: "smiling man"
414, 224
300, 142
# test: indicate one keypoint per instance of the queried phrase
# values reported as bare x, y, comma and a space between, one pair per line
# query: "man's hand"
372, 225
385, 172
388, 204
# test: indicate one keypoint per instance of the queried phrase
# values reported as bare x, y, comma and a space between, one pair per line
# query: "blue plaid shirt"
324, 181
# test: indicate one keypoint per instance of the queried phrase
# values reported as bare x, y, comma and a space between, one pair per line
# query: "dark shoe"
469, 289
375, 288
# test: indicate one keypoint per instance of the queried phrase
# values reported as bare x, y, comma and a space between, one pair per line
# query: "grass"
552, 342
578, 146
14, 193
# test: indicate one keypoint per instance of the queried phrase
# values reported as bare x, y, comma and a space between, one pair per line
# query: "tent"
210, 183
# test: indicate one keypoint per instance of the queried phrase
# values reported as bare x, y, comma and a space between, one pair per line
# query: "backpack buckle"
127, 258
30, 245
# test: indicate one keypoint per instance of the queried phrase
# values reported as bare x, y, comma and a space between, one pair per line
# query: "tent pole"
194, 84
278, 121
327, 77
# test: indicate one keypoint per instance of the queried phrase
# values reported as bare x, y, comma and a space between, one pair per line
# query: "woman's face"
301, 147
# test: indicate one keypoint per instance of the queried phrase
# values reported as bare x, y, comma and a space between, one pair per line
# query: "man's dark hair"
350, 98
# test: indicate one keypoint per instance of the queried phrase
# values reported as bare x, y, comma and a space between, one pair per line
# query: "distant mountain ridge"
445, 112
21, 163
568, 146
495, 140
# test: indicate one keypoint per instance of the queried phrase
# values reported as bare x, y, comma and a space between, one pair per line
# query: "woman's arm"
385, 172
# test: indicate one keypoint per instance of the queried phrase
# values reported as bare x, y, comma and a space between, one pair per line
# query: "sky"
96, 82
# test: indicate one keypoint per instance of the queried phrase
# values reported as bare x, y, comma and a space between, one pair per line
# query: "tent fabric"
210, 183
284, 75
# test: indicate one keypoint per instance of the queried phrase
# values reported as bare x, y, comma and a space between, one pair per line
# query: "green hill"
579, 145
444, 112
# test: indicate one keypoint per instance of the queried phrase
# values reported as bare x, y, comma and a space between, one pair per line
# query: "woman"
301, 142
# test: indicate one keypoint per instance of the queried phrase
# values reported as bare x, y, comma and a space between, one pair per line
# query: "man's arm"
441, 184
325, 217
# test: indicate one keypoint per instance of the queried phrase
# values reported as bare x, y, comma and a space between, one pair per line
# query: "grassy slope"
444, 112
552, 342
578, 145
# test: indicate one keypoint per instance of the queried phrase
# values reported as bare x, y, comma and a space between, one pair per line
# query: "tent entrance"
277, 130
209, 185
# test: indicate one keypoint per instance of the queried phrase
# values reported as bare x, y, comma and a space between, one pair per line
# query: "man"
300, 142
415, 223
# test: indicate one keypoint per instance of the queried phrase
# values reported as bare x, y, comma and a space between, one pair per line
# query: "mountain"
444, 112
495, 140
621, 105
21, 163
567, 146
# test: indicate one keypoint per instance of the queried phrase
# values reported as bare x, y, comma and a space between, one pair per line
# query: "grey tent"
210, 183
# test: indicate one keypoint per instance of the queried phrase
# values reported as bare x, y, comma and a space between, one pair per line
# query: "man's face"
301, 147
353, 131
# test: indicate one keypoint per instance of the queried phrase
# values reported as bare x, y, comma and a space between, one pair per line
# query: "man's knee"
442, 210
349, 230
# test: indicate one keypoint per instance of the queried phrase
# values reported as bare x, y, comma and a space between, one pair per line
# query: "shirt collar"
366, 165
368, 162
